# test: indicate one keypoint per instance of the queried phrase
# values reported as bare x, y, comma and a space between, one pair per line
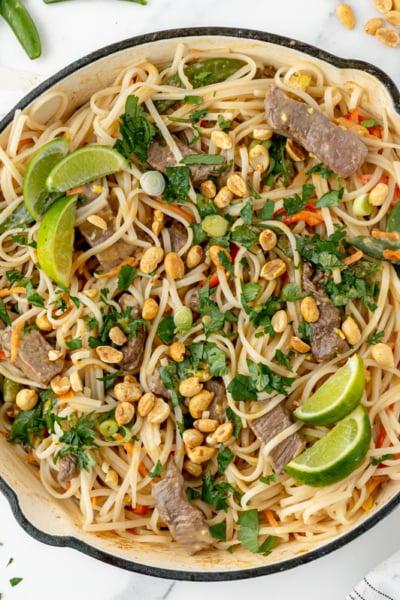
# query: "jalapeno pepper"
202, 72
22, 25
377, 247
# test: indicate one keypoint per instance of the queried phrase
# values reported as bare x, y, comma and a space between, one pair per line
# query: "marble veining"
69, 31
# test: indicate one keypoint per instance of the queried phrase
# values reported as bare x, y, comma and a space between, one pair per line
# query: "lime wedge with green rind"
336, 454
34, 189
84, 165
55, 240
337, 396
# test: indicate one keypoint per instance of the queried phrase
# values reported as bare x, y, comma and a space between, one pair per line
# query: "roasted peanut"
267, 239
26, 399
60, 384
205, 425
208, 189
91, 293
201, 454
109, 355
373, 25
54, 355
221, 434
388, 36
146, 404
174, 265
214, 252
177, 351
199, 403
298, 345
193, 469
378, 194
117, 336
192, 438
127, 392
262, 134
42, 321
295, 151
194, 257
236, 184
159, 413
158, 222
111, 477
223, 198
221, 140
76, 381
151, 259
279, 321
351, 331
309, 309
259, 158
273, 269
203, 376
124, 413
393, 17
382, 354
150, 309
346, 15
190, 387
382, 6
97, 221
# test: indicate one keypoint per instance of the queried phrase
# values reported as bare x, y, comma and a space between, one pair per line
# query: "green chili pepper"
22, 25
20, 217
375, 247
393, 220
202, 72
10, 389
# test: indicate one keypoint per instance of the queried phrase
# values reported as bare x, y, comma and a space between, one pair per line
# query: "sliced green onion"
183, 320
152, 183
362, 207
108, 428
214, 225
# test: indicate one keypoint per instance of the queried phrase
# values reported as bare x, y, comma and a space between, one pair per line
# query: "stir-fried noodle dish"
199, 302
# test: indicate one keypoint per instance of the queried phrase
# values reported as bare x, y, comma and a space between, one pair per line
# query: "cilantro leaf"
213, 318
205, 206
247, 212
224, 458
381, 459
376, 337
170, 378
296, 203
166, 329
242, 388
283, 359
290, 293
268, 479
321, 169
237, 421
126, 275
4, 316
267, 211
157, 469
74, 344
245, 236
247, 534
33, 297
178, 184
136, 130
250, 291
331, 198
218, 531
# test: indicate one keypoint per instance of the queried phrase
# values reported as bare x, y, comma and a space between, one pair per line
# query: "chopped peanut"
60, 384
208, 189
221, 140
150, 309
174, 265
117, 336
351, 331
309, 309
177, 351
273, 269
382, 354
237, 185
151, 259
109, 355
26, 399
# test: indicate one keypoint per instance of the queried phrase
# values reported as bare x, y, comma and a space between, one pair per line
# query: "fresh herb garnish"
376, 337
213, 318
109, 379
74, 344
157, 469
245, 236
218, 531
193, 99
224, 458
4, 316
267, 211
260, 379
248, 531
247, 212
166, 329
21, 239
268, 479
331, 198
216, 493
321, 169
250, 291
224, 123
203, 159
126, 275
33, 297
237, 421
296, 203
290, 293
15, 581
381, 459
278, 167
136, 130
284, 359
178, 184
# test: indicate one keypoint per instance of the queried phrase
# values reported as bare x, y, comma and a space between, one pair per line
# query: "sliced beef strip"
133, 350
185, 522
160, 157
157, 387
219, 403
325, 341
268, 426
68, 468
340, 149
178, 235
32, 357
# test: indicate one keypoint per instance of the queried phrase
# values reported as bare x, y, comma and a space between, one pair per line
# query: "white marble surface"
69, 30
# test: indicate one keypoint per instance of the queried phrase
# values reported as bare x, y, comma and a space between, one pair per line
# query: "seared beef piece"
194, 301
218, 404
157, 387
160, 157
268, 426
185, 522
340, 149
325, 342
68, 468
95, 236
178, 235
134, 348
266, 72
32, 357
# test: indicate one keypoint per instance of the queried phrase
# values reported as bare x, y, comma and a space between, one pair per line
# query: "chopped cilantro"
157, 470
268, 479
321, 169
15, 581
381, 459
109, 379
376, 337
213, 318
247, 212
224, 123
21, 239
178, 184
278, 166
267, 211
290, 293
126, 275
284, 359
205, 206
4, 316
237, 421
136, 130
193, 99
33, 297
331, 198
74, 344
325, 254
296, 203
170, 378
192, 494
216, 493
260, 379
199, 235
226, 263
250, 291
224, 458
218, 531
245, 236
166, 329
248, 531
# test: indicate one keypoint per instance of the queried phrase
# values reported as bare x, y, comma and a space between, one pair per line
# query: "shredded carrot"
16, 334
24, 142
391, 235
115, 271
391, 254
128, 447
3, 355
76, 190
94, 500
15, 290
381, 437
269, 515
375, 482
68, 485
118, 436
349, 260
31, 457
178, 210
67, 396
143, 470
310, 218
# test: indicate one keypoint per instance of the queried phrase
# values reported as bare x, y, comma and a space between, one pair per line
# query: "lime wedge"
335, 455
83, 165
55, 240
337, 396
34, 185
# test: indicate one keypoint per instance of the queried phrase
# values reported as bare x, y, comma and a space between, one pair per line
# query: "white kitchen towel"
382, 583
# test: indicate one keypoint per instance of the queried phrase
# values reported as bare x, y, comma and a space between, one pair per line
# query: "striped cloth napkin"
382, 583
